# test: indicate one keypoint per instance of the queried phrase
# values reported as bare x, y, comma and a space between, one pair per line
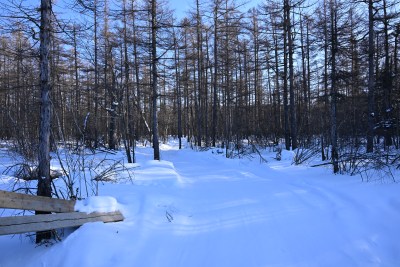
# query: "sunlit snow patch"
167, 147
97, 204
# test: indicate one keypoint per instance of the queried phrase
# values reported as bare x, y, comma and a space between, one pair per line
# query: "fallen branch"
322, 164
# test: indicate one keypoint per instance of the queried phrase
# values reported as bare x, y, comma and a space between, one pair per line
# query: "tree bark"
293, 121
96, 76
178, 91
125, 118
199, 39
44, 180
154, 62
387, 79
371, 78
304, 57
285, 83
334, 155
215, 78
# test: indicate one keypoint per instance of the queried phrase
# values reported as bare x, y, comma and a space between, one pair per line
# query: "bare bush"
242, 150
79, 174
84, 170
377, 166
303, 154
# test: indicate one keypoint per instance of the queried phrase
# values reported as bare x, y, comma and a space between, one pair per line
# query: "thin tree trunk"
285, 85
278, 119
334, 152
128, 126
324, 115
178, 91
207, 73
308, 45
371, 78
154, 61
76, 73
387, 78
305, 80
293, 121
199, 111
96, 77
215, 80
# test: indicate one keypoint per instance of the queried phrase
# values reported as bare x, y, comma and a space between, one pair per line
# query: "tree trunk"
277, 103
127, 124
285, 84
324, 115
387, 80
334, 151
293, 121
199, 111
154, 61
96, 78
44, 180
178, 91
371, 78
304, 56
308, 45
215, 78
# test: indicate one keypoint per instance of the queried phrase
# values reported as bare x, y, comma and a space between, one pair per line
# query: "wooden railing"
63, 216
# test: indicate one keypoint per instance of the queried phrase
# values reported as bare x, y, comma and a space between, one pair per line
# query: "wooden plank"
46, 222
11, 200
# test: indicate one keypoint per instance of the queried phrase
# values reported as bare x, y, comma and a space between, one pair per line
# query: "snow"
201, 209
97, 203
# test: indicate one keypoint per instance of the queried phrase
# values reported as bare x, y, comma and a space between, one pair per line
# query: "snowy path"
200, 209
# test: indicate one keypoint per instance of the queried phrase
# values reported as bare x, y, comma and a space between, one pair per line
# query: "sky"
181, 7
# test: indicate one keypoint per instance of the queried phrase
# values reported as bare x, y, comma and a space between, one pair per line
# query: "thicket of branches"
292, 72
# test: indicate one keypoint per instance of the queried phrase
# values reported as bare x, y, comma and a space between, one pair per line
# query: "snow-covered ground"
201, 209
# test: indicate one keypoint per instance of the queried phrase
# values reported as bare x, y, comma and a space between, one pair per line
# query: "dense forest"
317, 76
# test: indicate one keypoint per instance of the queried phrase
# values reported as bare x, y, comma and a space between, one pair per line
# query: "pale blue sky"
182, 6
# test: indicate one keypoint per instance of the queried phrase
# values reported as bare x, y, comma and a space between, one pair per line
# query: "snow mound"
287, 155
97, 204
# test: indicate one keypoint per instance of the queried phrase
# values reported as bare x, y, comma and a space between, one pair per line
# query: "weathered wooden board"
45, 222
11, 200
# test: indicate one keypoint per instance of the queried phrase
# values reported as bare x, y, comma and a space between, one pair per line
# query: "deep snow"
201, 209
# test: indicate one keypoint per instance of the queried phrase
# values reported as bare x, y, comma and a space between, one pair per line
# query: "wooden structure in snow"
62, 216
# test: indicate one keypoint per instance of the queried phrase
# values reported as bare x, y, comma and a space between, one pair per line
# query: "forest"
316, 77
